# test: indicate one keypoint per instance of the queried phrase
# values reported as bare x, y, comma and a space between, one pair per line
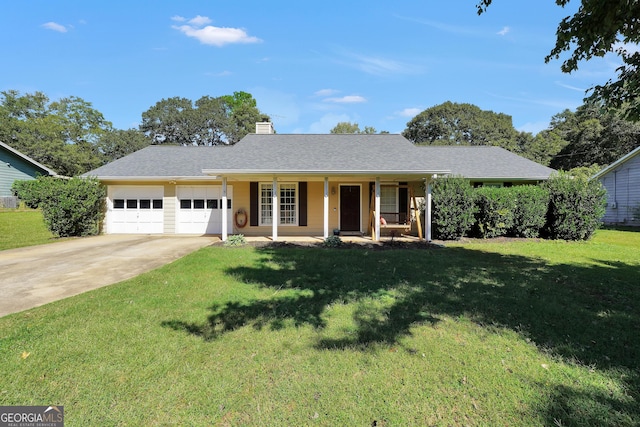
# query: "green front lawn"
19, 228
521, 333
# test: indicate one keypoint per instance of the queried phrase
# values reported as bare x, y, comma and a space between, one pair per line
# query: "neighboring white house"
622, 181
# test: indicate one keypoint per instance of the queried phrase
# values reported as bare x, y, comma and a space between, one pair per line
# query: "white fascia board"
617, 163
29, 159
154, 178
234, 172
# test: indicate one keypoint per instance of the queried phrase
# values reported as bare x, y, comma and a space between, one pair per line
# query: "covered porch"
325, 201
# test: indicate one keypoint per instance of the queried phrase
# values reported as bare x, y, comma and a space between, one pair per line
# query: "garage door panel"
199, 209
136, 210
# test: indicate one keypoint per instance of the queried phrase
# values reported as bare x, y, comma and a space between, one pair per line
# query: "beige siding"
170, 205
241, 200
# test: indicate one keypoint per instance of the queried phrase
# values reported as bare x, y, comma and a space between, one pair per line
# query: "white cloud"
382, 66
211, 35
178, 18
566, 86
449, 28
200, 21
349, 99
326, 92
409, 112
504, 31
55, 27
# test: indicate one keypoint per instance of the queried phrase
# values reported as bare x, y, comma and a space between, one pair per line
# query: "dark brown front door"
349, 208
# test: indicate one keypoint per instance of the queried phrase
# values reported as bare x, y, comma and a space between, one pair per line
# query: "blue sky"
309, 65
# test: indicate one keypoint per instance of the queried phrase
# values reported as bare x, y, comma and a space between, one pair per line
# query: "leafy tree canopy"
597, 28
354, 128
117, 143
62, 134
461, 124
208, 121
593, 137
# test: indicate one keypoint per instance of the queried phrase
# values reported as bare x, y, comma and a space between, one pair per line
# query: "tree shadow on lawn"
584, 313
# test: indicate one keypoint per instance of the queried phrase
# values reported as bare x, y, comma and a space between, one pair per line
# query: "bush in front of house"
530, 211
332, 242
453, 207
28, 191
494, 215
576, 207
236, 240
70, 207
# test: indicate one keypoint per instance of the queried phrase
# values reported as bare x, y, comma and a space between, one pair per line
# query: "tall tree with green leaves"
242, 114
594, 137
208, 121
354, 128
117, 143
600, 27
461, 124
62, 134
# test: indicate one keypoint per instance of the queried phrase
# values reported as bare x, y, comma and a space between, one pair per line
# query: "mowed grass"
520, 333
19, 228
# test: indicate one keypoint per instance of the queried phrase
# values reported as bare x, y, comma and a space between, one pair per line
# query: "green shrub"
576, 206
530, 212
72, 207
28, 191
236, 240
453, 207
494, 214
332, 242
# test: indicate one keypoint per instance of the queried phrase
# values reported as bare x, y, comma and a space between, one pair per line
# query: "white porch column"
225, 218
275, 208
326, 207
377, 210
427, 204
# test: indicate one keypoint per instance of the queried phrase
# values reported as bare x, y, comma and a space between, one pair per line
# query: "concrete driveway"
37, 275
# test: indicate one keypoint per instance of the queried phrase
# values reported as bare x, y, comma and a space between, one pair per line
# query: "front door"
350, 208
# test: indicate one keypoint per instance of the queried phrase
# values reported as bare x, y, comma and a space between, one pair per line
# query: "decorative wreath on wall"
240, 218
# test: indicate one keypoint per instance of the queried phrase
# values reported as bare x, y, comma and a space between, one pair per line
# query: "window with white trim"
389, 203
288, 201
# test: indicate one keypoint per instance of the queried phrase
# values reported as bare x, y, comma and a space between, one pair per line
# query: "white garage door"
136, 210
200, 209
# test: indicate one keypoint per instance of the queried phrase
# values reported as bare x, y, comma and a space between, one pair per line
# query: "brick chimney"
264, 128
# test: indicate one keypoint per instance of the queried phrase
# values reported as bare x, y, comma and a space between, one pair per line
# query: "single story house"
281, 184
17, 166
622, 181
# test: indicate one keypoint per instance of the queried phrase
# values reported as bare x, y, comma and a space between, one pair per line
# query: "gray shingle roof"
357, 154
485, 162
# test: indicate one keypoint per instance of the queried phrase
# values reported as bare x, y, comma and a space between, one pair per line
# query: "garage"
200, 209
135, 210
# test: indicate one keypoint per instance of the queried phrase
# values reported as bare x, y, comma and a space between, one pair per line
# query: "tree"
170, 122
208, 121
594, 137
61, 134
461, 124
117, 143
243, 114
597, 28
354, 128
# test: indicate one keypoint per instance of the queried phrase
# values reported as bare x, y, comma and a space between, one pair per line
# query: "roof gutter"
230, 172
